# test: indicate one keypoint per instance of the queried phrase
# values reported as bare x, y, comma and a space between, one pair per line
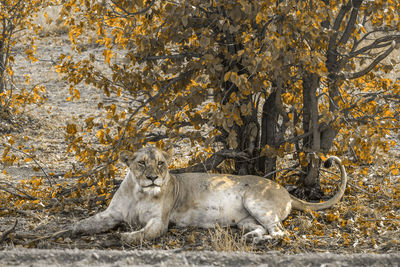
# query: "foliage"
264, 81
16, 20
16, 17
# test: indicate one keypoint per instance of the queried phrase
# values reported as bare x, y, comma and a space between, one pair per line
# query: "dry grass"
225, 239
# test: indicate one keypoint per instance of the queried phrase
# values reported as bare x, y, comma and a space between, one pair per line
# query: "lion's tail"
299, 204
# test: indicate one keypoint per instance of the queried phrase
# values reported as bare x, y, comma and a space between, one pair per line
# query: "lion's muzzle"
152, 177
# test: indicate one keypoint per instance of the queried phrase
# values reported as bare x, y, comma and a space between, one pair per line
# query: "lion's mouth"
151, 185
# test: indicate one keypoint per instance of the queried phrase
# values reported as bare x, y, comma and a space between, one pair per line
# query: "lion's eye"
142, 163
160, 163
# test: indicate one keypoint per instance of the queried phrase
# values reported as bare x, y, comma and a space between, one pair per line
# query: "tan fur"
151, 197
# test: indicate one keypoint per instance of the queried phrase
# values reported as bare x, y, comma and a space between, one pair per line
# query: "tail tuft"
328, 163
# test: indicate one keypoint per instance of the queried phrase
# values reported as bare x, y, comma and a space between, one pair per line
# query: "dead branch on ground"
4, 236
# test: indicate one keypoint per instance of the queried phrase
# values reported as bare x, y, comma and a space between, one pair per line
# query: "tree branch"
7, 232
213, 161
378, 43
371, 66
366, 35
131, 14
285, 169
145, 103
336, 25
175, 56
35, 161
25, 195
352, 20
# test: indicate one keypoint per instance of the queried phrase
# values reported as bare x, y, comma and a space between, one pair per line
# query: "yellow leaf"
394, 169
72, 129
108, 54
288, 147
322, 156
77, 94
227, 75
303, 159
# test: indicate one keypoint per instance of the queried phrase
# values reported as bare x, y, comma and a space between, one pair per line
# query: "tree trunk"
247, 134
311, 143
267, 164
2, 68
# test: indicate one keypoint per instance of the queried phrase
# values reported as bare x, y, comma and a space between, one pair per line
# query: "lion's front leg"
153, 229
98, 223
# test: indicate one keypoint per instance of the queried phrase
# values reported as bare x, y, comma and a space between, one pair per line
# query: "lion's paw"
132, 238
254, 236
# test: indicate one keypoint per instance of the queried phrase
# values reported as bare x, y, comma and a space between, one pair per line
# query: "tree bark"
267, 164
311, 143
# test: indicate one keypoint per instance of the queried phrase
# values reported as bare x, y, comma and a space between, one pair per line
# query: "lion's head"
149, 167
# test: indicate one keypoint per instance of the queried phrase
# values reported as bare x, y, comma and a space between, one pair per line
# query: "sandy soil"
35, 257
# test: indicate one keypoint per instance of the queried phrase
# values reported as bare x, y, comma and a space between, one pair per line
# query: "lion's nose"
152, 177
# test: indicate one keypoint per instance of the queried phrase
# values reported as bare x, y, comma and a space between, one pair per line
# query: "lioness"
153, 198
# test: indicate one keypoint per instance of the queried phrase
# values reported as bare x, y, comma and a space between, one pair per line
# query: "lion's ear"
126, 156
168, 153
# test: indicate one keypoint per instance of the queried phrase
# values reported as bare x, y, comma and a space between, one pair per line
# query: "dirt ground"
367, 236
35, 257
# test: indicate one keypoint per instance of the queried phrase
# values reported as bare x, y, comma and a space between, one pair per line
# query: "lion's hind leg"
254, 231
266, 214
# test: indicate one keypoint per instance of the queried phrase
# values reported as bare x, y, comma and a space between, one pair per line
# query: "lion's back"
205, 199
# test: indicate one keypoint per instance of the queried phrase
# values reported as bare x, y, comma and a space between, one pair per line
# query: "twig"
26, 195
330, 172
208, 165
4, 236
145, 103
35, 161
380, 220
174, 56
130, 14
375, 62
82, 186
61, 233
285, 169
213, 161
28, 213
